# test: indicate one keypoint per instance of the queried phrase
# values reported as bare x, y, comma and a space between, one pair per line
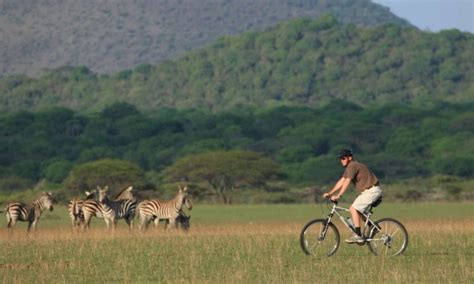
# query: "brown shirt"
360, 175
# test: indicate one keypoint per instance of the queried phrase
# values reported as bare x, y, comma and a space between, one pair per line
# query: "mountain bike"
385, 237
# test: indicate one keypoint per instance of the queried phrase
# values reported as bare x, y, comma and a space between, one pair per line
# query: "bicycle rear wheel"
319, 239
388, 238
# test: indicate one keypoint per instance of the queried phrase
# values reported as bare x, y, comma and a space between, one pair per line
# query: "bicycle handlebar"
330, 200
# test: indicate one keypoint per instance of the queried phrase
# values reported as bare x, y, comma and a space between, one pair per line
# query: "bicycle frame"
336, 210
385, 236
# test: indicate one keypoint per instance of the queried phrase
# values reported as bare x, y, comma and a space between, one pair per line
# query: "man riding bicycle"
364, 181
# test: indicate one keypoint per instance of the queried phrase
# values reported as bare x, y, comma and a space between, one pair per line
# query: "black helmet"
344, 153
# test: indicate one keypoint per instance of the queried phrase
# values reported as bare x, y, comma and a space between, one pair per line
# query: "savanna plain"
239, 243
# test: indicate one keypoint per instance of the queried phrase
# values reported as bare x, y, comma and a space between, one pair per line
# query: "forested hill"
111, 35
300, 62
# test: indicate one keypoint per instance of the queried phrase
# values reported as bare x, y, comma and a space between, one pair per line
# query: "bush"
15, 183
457, 166
116, 174
57, 171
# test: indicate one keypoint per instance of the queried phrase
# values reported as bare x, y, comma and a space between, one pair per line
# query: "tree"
57, 170
117, 174
224, 170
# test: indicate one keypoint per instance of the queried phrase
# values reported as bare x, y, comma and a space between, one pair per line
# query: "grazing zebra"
156, 210
119, 209
95, 208
21, 212
74, 208
184, 220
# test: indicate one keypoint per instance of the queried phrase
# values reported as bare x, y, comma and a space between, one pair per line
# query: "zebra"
74, 208
183, 220
125, 194
17, 211
119, 209
156, 210
98, 209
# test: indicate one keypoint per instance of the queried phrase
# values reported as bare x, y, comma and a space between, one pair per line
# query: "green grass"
299, 213
241, 243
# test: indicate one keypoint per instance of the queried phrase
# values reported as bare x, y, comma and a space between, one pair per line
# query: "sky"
434, 15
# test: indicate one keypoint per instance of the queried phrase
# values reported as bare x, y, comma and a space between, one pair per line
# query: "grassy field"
240, 243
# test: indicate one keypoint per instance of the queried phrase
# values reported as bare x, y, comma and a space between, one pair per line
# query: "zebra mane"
125, 194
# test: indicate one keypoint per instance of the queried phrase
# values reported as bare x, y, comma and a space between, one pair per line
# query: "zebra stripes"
156, 210
17, 211
183, 220
120, 209
110, 210
125, 194
124, 206
74, 208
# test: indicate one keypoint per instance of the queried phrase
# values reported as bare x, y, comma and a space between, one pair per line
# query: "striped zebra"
156, 210
125, 194
182, 220
117, 209
105, 208
17, 211
74, 208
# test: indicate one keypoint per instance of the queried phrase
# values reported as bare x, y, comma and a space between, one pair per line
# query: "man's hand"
326, 195
335, 197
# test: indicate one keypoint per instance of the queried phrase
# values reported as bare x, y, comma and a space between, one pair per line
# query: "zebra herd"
98, 204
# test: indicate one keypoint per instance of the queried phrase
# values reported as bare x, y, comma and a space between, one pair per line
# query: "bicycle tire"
314, 244
391, 240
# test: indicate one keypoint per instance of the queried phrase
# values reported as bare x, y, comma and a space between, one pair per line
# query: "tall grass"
223, 247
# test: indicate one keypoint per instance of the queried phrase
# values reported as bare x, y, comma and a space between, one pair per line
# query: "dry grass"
440, 251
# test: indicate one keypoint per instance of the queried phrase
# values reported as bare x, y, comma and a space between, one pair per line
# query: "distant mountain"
111, 35
300, 62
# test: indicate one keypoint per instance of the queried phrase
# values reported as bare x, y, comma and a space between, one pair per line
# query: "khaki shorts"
366, 198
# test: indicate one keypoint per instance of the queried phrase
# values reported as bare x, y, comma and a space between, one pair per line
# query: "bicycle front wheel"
319, 238
388, 238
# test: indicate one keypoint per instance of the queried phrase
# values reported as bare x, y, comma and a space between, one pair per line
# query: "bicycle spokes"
319, 238
388, 238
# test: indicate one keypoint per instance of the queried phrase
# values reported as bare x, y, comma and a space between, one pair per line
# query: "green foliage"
224, 170
57, 171
396, 142
9, 184
457, 166
116, 174
107, 39
300, 62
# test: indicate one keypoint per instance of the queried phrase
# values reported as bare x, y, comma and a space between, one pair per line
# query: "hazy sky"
434, 15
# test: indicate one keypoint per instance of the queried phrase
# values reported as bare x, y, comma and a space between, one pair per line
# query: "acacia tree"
224, 170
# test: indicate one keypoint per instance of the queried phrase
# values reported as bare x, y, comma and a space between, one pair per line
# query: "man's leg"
356, 219
359, 202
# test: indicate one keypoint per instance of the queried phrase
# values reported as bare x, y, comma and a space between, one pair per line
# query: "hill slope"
112, 35
301, 62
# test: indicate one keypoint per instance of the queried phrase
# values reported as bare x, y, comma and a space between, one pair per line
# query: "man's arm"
336, 187
342, 184
345, 182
